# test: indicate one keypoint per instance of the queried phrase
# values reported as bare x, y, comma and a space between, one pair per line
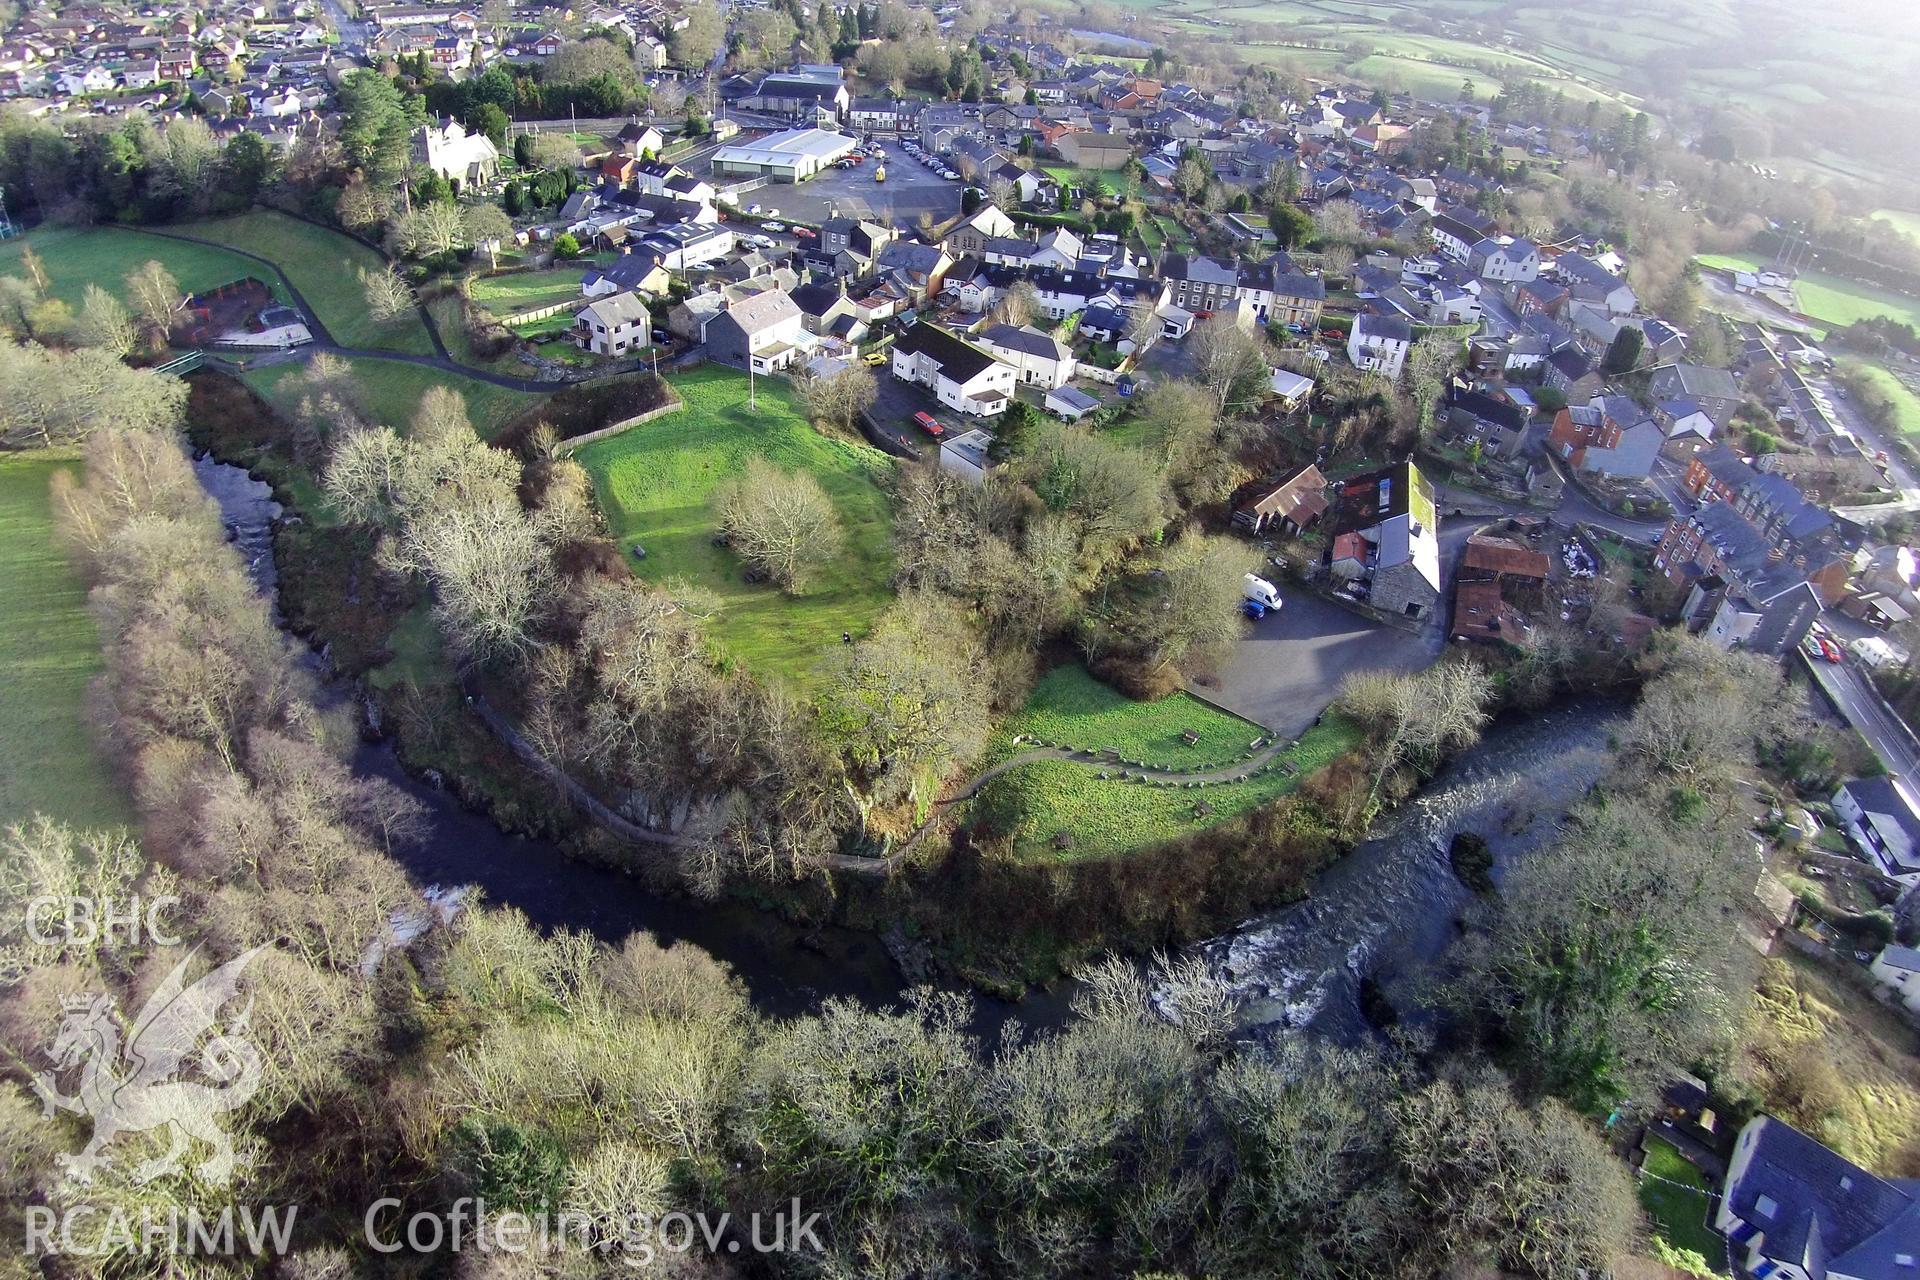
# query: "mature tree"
388, 295
840, 398
911, 703
155, 296
1190, 179
1231, 363
54, 398
451, 512
486, 223
1417, 720
432, 228
1114, 495
1623, 353
1603, 962
1018, 305
363, 206
1184, 613
1338, 223
106, 323
378, 125
1533, 1190
780, 522
555, 151
694, 45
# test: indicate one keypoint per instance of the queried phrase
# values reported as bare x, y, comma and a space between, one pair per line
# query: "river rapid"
1387, 911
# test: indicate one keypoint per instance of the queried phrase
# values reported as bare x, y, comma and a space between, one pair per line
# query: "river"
1390, 908
1387, 910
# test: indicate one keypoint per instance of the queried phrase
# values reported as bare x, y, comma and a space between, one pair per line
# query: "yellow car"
875, 357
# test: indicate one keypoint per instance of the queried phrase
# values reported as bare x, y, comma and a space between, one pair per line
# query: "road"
355, 35
1847, 688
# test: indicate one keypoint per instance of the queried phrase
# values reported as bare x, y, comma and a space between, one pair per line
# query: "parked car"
875, 358
929, 424
753, 208
773, 226
663, 336
806, 233
1829, 650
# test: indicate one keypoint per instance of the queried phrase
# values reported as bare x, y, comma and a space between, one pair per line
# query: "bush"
1472, 859
566, 245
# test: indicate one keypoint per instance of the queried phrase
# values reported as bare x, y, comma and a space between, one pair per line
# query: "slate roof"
1824, 1211
1027, 341
958, 359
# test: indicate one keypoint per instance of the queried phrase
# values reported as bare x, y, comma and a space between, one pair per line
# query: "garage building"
792, 156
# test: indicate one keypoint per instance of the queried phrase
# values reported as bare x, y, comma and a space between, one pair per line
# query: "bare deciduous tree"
388, 295
155, 295
840, 398
106, 323
780, 522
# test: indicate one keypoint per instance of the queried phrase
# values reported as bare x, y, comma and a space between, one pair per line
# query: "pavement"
910, 190
1292, 663
1846, 687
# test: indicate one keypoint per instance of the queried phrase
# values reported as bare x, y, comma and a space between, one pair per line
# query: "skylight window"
1766, 1206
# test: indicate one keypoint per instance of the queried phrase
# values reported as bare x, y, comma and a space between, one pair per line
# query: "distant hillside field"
1809, 82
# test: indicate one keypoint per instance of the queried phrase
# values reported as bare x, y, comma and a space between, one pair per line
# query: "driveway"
1291, 665
897, 402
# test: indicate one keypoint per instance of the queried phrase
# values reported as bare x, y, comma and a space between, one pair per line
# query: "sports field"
656, 484
1829, 298
49, 760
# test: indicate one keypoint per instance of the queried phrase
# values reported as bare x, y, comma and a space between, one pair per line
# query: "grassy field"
656, 484
1072, 709
78, 256
1901, 220
1679, 1213
324, 267
391, 391
1109, 818
1826, 297
525, 290
1906, 404
49, 761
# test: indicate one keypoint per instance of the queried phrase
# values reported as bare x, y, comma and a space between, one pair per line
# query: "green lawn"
1826, 297
392, 389
324, 266
1679, 1214
1109, 818
78, 256
656, 484
1069, 708
525, 290
1906, 405
49, 760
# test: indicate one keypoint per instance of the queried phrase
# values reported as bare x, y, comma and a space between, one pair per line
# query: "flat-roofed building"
792, 156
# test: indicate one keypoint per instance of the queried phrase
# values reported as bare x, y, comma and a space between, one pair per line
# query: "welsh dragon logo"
134, 1090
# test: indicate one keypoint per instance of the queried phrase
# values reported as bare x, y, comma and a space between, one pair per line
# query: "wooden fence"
541, 313
625, 424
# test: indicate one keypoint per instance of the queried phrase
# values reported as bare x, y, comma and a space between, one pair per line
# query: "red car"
1828, 649
805, 233
929, 424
